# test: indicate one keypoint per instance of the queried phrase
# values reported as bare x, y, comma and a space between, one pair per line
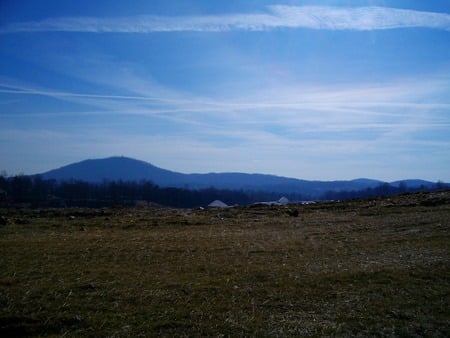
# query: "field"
356, 268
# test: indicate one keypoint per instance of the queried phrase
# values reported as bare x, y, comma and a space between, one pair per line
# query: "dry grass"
359, 268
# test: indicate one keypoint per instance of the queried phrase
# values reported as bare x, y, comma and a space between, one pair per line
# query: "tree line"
38, 192
383, 189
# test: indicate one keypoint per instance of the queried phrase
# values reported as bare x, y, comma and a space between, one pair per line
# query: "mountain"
113, 169
413, 183
128, 169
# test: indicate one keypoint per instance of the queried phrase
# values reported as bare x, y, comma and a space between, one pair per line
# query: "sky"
318, 90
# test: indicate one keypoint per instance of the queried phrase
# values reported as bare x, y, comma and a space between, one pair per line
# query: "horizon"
313, 90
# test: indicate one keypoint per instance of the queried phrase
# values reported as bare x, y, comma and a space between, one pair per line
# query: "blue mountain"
128, 169
114, 169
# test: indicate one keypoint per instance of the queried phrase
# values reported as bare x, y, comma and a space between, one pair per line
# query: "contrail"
276, 17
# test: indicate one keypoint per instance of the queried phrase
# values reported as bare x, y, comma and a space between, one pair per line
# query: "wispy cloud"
14, 89
277, 16
291, 111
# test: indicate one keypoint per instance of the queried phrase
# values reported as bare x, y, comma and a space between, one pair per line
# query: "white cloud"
277, 16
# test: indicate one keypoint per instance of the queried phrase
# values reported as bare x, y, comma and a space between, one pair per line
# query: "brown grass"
358, 268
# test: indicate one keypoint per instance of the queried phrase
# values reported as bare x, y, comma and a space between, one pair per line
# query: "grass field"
357, 268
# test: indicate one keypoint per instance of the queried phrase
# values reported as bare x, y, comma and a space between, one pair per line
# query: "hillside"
113, 169
127, 169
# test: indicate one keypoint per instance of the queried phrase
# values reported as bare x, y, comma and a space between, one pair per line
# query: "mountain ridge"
129, 169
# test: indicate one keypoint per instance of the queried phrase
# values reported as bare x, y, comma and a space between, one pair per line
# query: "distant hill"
128, 169
413, 183
113, 169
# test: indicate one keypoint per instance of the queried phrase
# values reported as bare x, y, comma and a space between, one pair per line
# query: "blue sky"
309, 89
